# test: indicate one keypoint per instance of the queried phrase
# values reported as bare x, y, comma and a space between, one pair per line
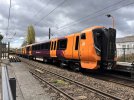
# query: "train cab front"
105, 46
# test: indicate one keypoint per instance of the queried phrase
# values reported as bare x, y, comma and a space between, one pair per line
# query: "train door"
87, 52
83, 47
53, 48
30, 50
84, 50
76, 46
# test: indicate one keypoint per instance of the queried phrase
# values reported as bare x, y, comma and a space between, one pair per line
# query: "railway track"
124, 81
114, 78
49, 77
14, 59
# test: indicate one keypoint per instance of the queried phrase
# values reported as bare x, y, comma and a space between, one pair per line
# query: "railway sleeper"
14, 59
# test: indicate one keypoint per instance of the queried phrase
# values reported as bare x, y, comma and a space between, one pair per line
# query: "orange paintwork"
24, 50
52, 50
75, 52
86, 52
30, 50
68, 51
88, 55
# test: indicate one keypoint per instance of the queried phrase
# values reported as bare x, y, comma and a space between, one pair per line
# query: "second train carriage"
92, 48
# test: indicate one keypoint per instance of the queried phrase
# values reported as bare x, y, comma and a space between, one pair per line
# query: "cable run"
42, 8
77, 20
97, 15
50, 12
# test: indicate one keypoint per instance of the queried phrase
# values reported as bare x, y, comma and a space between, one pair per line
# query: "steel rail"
121, 79
54, 87
81, 84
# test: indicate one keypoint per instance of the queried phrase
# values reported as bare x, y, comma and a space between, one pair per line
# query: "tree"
1, 37
24, 43
31, 35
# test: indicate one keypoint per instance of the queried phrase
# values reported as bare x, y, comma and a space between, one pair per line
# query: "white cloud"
23, 13
131, 23
4, 1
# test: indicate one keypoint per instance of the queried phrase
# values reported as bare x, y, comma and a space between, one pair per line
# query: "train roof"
92, 28
87, 29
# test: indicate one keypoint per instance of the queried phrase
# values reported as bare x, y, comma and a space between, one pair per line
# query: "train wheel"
75, 67
44, 60
62, 65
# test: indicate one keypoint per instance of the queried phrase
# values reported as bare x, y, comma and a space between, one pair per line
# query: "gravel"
72, 89
126, 93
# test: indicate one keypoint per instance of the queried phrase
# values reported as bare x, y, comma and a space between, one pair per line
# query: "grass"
59, 82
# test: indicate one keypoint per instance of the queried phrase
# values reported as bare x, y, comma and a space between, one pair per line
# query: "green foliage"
24, 43
31, 35
1, 37
59, 82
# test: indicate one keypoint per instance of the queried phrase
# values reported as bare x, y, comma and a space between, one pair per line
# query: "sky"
64, 17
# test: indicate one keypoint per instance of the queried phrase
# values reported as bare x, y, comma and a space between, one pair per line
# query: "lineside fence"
8, 85
4, 50
125, 54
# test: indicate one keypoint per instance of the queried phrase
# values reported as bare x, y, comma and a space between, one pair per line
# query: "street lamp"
113, 22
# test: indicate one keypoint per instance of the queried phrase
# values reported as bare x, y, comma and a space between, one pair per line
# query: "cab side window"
83, 36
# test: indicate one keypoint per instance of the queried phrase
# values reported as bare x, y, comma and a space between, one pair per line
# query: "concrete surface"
0, 83
28, 88
124, 64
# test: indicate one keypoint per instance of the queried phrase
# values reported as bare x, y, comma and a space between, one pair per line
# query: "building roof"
125, 39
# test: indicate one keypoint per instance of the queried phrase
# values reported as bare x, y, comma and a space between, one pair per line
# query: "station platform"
125, 67
28, 88
125, 64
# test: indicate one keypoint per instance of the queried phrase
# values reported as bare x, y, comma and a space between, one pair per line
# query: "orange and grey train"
93, 48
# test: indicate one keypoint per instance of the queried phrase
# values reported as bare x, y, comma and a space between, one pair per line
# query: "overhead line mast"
8, 18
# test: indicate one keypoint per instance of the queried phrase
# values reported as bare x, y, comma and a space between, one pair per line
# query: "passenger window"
35, 47
43, 46
83, 36
32, 47
47, 46
77, 43
62, 44
39, 47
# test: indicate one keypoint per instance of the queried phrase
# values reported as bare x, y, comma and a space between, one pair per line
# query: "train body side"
86, 49
80, 49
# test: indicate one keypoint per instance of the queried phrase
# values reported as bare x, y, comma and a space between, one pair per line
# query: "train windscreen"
97, 40
104, 42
